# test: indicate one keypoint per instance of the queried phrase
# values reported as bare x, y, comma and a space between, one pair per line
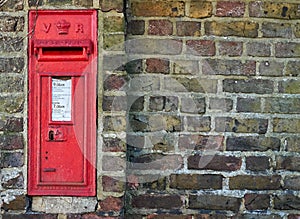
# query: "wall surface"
198, 110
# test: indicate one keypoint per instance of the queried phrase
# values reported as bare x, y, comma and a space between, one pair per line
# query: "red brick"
160, 27
111, 204
154, 65
230, 48
201, 47
113, 184
230, 9
114, 82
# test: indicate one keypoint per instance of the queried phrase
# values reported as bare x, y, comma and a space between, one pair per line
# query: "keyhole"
51, 135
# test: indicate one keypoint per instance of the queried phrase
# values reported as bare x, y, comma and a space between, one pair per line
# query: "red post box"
62, 102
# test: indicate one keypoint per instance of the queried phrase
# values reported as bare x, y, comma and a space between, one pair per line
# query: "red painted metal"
62, 102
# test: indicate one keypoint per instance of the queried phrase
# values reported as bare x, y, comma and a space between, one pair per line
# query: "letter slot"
62, 102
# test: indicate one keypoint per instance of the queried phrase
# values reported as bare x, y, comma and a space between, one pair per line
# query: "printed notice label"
61, 99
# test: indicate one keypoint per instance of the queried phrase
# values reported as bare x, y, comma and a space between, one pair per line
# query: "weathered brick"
135, 27
228, 67
281, 30
163, 103
252, 105
113, 163
111, 204
113, 184
287, 202
273, 10
185, 67
150, 182
12, 180
292, 144
114, 63
230, 9
252, 143
214, 162
289, 86
281, 125
234, 28
113, 145
13, 104
159, 201
11, 44
294, 216
59, 2
113, 42
227, 48
296, 30
195, 182
114, 123
271, 68
282, 105
193, 104
114, 103
292, 68
257, 201
210, 216
114, 82
29, 216
174, 8
221, 104
258, 86
198, 123
242, 182
113, 24
144, 83
160, 27
136, 103
287, 50
258, 49
201, 47
19, 203
15, 159
154, 46
188, 28
11, 142
35, 3
154, 65
11, 24
13, 5
11, 124
169, 216
134, 66
162, 142
200, 142
197, 85
261, 163
200, 9
108, 5
11, 84
288, 163
214, 202
11, 65
292, 182
228, 124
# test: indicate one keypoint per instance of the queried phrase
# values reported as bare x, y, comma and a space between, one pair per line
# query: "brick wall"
198, 111
218, 133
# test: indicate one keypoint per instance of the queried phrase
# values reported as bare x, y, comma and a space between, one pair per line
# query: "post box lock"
62, 102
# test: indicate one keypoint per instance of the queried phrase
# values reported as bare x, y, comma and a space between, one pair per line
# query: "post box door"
62, 102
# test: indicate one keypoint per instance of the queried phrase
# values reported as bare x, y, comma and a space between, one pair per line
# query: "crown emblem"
63, 27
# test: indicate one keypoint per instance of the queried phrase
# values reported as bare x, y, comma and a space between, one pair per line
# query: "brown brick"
114, 123
282, 105
160, 27
214, 162
273, 10
230, 48
193, 105
11, 142
149, 181
261, 163
113, 145
108, 5
189, 67
252, 105
292, 182
201, 47
157, 201
287, 50
18, 203
200, 9
174, 8
242, 182
230, 9
280, 30
163, 103
198, 124
113, 184
292, 144
136, 27
111, 204
188, 28
258, 86
195, 182
228, 67
288, 163
271, 68
15, 182
289, 86
252, 143
200, 142
292, 68
234, 28
214, 202
228, 124
259, 49
257, 201
287, 202
286, 125
221, 104
154, 65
